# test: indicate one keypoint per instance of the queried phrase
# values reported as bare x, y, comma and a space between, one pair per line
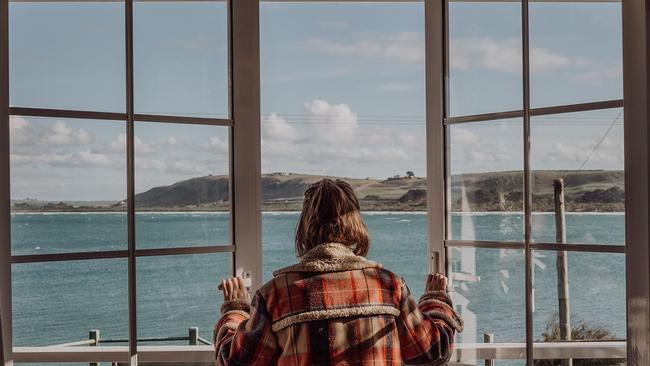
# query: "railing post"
93, 335
564, 321
194, 336
488, 338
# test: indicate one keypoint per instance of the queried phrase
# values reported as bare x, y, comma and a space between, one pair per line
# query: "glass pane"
67, 55
68, 185
343, 97
585, 150
485, 57
577, 57
488, 289
181, 58
595, 285
60, 302
486, 184
176, 293
182, 185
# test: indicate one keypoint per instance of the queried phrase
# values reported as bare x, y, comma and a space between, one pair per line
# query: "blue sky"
342, 90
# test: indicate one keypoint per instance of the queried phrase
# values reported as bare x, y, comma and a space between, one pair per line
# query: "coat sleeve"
426, 329
243, 335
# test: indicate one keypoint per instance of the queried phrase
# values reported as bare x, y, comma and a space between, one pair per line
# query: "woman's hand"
436, 282
234, 289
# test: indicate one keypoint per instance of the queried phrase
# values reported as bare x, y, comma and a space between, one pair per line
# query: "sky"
342, 90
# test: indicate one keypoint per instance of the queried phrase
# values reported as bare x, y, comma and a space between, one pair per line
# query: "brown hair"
331, 214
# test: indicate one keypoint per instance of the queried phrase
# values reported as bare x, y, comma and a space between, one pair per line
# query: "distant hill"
499, 191
595, 190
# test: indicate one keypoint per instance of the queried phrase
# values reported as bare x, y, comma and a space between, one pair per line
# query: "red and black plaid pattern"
415, 334
298, 292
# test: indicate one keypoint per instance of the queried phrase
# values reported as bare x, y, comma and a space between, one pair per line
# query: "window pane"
577, 57
485, 57
488, 289
182, 185
179, 292
596, 290
181, 58
68, 185
585, 150
67, 55
486, 180
60, 302
343, 97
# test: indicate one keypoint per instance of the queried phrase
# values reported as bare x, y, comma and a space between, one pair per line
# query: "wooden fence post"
194, 336
93, 335
488, 338
562, 267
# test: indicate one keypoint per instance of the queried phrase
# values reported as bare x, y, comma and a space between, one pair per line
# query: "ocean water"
55, 303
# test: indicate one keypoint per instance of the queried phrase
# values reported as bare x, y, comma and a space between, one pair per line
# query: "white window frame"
246, 188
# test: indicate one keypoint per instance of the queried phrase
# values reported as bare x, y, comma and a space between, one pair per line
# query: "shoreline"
291, 212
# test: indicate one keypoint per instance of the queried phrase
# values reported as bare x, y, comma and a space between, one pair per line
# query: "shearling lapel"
329, 257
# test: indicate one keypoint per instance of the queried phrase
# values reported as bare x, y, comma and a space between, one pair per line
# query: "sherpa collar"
329, 257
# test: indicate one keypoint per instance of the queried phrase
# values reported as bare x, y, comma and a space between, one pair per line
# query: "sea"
60, 302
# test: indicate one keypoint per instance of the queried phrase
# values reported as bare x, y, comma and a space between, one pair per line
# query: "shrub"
580, 331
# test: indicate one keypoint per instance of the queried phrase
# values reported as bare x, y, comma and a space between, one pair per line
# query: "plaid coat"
336, 308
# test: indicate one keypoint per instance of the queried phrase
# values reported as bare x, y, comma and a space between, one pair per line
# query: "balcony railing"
463, 354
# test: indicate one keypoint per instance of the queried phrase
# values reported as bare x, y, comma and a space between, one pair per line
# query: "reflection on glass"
488, 290
176, 293
485, 57
60, 302
67, 55
585, 150
575, 64
182, 185
486, 180
596, 296
68, 185
181, 58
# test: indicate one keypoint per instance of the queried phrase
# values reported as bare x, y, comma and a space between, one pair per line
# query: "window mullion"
246, 140
130, 174
5, 200
435, 131
530, 299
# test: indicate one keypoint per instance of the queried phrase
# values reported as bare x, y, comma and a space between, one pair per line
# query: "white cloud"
503, 55
276, 128
20, 131
499, 55
87, 157
542, 59
599, 75
407, 47
119, 145
60, 133
333, 142
334, 124
218, 144
463, 136
609, 154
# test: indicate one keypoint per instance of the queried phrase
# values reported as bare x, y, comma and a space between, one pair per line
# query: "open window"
150, 148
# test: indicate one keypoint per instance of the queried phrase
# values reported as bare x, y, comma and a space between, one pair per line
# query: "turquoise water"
59, 302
